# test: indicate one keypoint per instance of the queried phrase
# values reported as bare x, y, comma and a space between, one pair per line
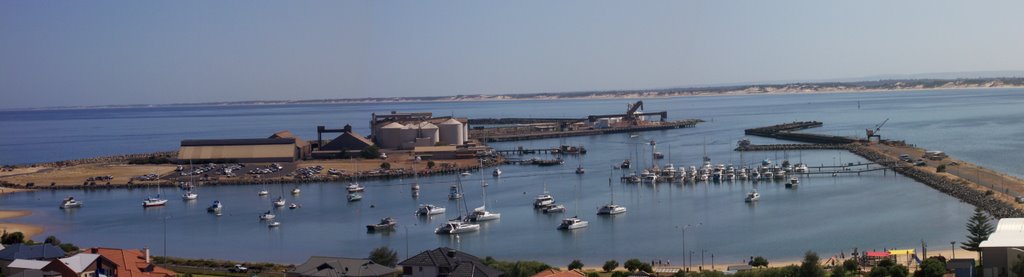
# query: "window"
406, 270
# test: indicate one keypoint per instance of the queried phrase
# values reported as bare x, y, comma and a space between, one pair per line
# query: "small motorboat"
466, 173
386, 224
355, 187
496, 173
274, 224
572, 223
793, 182
267, 216
454, 193
70, 203
280, 202
428, 210
293, 206
752, 197
296, 190
215, 208
579, 170
263, 193
353, 197
553, 208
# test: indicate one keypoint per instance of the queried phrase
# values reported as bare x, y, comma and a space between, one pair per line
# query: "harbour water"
825, 214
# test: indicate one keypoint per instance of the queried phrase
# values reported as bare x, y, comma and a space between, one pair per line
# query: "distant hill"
882, 83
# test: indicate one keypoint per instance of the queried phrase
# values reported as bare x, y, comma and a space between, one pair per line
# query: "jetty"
992, 191
532, 132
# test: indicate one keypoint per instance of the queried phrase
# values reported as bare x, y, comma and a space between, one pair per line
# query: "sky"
70, 53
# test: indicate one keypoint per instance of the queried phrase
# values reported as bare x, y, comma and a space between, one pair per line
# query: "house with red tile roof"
132, 262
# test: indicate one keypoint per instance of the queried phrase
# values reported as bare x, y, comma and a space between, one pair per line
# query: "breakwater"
525, 133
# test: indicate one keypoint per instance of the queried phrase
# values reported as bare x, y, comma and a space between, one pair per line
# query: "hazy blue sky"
119, 52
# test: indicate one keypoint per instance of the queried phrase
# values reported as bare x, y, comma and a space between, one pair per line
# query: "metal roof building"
241, 150
1002, 248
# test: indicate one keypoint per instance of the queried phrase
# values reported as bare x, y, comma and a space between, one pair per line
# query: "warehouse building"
1003, 248
281, 147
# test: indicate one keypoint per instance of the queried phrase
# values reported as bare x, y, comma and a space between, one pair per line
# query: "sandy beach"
10, 227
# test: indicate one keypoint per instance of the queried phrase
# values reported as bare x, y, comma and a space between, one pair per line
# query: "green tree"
932, 267
371, 152
385, 165
518, 268
12, 238
430, 164
575, 264
384, 256
632, 264
879, 271
620, 274
851, 265
979, 228
759, 262
612, 265
899, 271
646, 267
52, 240
810, 267
838, 271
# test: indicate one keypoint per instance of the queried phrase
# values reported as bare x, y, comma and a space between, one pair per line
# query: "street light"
952, 249
684, 244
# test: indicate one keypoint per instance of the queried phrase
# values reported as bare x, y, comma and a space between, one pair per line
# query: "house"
961, 267
318, 266
28, 268
83, 265
446, 262
551, 272
42, 252
132, 262
1003, 248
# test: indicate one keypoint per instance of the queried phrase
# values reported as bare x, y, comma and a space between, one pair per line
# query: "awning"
901, 251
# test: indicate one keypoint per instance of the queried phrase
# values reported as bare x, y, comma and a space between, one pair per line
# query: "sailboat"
611, 208
459, 224
574, 222
354, 186
264, 191
154, 201
481, 213
189, 194
415, 183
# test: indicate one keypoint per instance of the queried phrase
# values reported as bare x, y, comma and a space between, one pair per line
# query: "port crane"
874, 133
632, 116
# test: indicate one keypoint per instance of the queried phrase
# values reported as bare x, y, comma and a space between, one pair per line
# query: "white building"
1003, 249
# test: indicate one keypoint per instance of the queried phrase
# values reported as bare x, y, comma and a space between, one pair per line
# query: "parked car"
238, 269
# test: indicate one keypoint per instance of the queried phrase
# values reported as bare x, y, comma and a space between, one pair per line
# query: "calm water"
826, 214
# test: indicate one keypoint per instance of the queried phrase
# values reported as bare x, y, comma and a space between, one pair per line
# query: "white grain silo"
452, 132
465, 131
426, 130
392, 135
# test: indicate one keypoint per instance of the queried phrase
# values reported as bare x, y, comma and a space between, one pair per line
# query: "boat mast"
611, 189
483, 184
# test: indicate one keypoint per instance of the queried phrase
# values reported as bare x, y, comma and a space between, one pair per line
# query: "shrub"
430, 164
371, 152
759, 262
385, 165
810, 266
932, 267
851, 265
620, 274
633, 264
384, 256
12, 238
610, 265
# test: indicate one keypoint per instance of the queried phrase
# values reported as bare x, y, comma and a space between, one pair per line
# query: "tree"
384, 256
575, 264
979, 228
385, 165
810, 267
12, 238
632, 264
932, 267
646, 267
612, 265
620, 274
851, 265
430, 164
371, 152
52, 240
838, 271
759, 261
899, 271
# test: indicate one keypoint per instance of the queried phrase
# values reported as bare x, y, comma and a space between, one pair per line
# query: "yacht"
355, 187
497, 172
780, 174
454, 193
800, 168
386, 224
279, 202
293, 206
466, 173
70, 202
481, 214
428, 210
353, 197
267, 216
752, 196
154, 201
456, 227
189, 195
625, 164
216, 207
579, 170
669, 171
649, 177
296, 190
572, 223
263, 192
274, 224
611, 208
543, 200
553, 208
793, 182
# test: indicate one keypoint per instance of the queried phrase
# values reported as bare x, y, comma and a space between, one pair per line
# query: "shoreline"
28, 230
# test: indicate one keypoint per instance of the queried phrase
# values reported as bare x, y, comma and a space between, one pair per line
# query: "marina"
719, 205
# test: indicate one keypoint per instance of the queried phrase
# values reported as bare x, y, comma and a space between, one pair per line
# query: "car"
238, 269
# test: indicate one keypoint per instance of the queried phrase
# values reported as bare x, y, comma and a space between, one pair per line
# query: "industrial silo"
392, 136
451, 132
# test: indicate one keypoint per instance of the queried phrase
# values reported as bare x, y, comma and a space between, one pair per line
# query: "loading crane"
632, 114
874, 133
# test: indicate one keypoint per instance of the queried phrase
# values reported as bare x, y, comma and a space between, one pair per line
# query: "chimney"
145, 253
451, 253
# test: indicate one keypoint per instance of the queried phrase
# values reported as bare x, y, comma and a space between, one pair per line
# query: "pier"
987, 189
516, 134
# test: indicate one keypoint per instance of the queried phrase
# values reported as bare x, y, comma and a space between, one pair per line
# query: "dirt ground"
28, 230
76, 175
